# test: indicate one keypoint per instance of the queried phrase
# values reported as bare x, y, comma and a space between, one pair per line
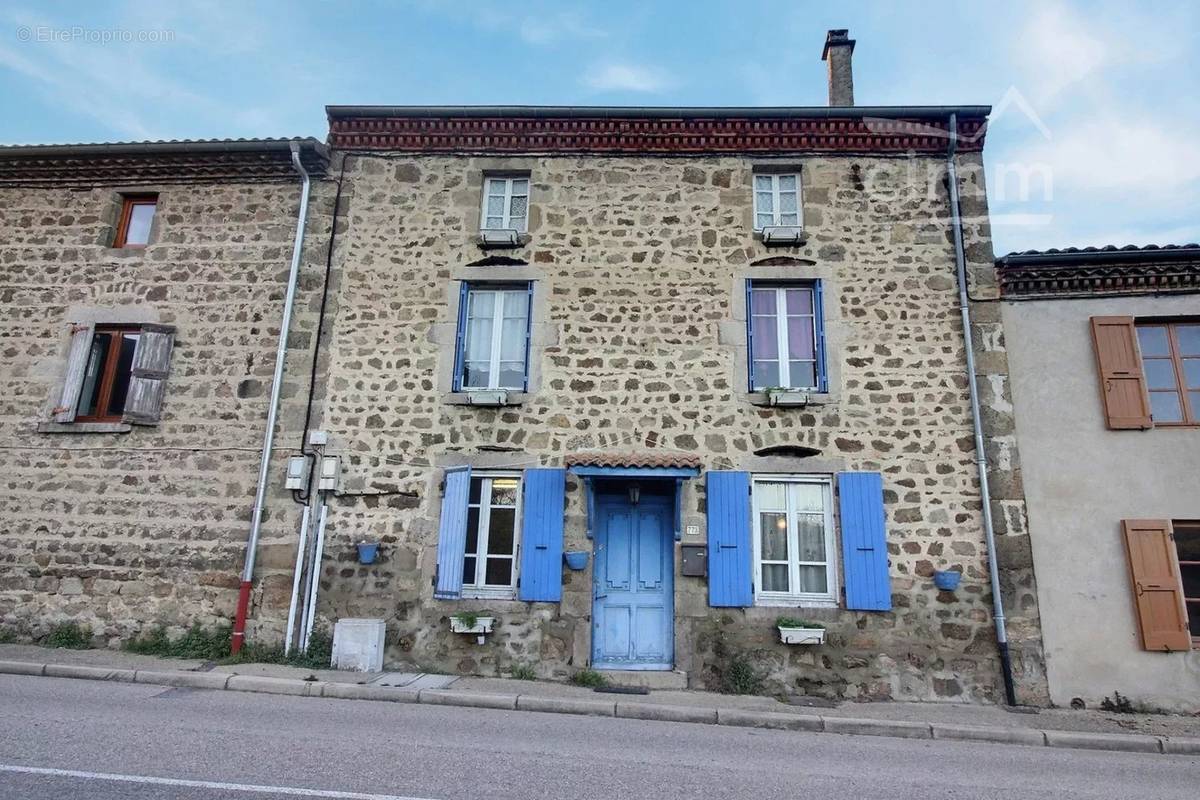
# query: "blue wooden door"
633, 614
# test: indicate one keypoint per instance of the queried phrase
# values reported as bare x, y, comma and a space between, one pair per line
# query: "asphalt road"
64, 738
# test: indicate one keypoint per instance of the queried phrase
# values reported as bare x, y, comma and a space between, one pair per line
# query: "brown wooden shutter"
1122, 381
78, 353
1157, 589
147, 384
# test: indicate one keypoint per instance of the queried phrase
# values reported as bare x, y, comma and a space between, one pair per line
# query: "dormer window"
505, 203
777, 200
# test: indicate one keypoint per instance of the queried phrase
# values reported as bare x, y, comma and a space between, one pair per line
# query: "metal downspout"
239, 624
980, 456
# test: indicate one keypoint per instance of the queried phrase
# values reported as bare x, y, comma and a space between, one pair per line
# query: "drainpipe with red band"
260, 495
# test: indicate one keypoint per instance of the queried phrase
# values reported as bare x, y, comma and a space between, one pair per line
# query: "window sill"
795, 602
84, 427
781, 239
488, 594
485, 398
496, 240
813, 399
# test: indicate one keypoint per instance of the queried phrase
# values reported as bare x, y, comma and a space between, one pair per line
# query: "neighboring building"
1104, 351
572, 328
142, 291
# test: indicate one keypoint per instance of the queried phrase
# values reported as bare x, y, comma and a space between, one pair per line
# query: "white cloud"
625, 77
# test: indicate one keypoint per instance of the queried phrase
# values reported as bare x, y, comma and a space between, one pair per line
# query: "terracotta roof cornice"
1092, 272
654, 131
132, 163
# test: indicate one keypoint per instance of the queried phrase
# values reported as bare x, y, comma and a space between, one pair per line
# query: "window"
776, 199
493, 523
1187, 545
786, 336
137, 215
505, 204
493, 336
793, 541
107, 374
1171, 361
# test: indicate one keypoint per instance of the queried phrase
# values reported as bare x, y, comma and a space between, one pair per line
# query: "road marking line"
230, 787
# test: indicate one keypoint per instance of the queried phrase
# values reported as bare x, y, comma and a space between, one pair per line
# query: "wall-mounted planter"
786, 399
576, 559
367, 551
480, 627
801, 635
947, 580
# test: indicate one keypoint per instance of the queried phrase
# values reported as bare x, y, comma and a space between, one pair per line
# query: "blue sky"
1101, 97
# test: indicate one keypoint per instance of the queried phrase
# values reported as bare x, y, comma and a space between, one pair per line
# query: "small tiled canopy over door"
1157, 590
1122, 380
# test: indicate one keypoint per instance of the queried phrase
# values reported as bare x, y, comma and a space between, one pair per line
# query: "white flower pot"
801, 635
788, 398
481, 628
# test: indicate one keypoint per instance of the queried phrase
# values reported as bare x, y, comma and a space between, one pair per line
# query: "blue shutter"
542, 509
864, 541
460, 335
749, 336
729, 545
452, 534
819, 345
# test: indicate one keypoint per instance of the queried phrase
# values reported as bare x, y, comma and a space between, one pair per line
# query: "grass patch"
69, 635
589, 678
523, 672
740, 677
7, 636
214, 645
1118, 704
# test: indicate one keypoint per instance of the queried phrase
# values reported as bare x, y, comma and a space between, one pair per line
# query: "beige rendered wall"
1081, 480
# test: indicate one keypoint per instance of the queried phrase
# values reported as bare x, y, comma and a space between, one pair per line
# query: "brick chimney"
839, 47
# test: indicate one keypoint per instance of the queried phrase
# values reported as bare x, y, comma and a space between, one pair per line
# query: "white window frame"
775, 196
499, 305
827, 599
472, 589
506, 216
783, 354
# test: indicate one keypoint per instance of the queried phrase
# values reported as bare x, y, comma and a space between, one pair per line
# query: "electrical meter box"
331, 470
693, 560
297, 472
358, 644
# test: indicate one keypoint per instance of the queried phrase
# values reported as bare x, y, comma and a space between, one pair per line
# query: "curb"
728, 717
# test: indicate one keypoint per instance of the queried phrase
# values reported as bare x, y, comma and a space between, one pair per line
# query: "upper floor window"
776, 199
137, 215
793, 540
1170, 354
107, 374
493, 337
505, 204
786, 336
493, 534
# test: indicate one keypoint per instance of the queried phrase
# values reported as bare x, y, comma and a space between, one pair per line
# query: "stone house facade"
713, 358
114, 516
1105, 352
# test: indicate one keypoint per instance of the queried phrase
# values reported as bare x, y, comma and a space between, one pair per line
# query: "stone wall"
638, 264
120, 531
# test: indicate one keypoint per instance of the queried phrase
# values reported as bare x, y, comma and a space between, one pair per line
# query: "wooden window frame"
1189, 603
104, 398
502, 292
793, 598
506, 216
127, 204
1191, 416
783, 353
776, 196
476, 586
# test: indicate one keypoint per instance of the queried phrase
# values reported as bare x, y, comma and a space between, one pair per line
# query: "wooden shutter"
730, 548
78, 353
542, 511
864, 541
1122, 380
148, 381
452, 535
1157, 589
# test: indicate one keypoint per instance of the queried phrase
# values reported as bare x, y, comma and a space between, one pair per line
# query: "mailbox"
694, 560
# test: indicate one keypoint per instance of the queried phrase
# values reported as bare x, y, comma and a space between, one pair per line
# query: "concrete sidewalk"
1176, 735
